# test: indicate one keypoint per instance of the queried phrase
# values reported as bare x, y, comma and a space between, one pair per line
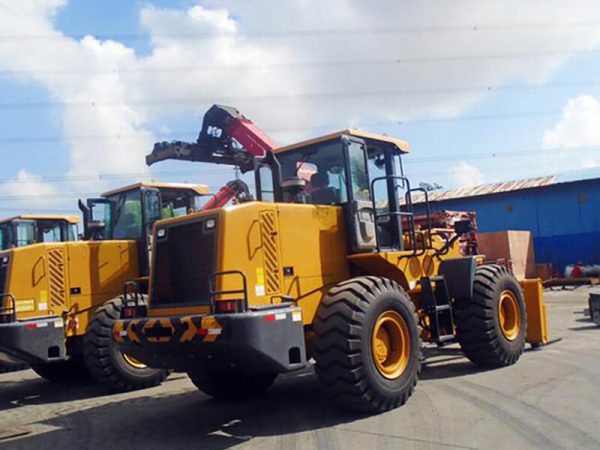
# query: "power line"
112, 176
198, 174
157, 102
308, 33
409, 122
399, 61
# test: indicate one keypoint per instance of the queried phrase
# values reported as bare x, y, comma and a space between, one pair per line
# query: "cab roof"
70, 218
196, 188
371, 139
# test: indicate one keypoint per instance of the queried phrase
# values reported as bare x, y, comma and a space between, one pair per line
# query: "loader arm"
233, 189
226, 137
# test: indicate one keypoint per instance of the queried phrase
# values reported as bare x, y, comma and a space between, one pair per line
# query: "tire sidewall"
507, 282
390, 301
118, 359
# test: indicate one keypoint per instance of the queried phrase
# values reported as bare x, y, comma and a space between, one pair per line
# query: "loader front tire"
232, 386
367, 345
106, 363
491, 327
73, 369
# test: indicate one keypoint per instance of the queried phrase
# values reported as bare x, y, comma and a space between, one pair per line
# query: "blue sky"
544, 77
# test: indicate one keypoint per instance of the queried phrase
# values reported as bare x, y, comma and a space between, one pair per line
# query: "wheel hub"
390, 344
509, 315
134, 362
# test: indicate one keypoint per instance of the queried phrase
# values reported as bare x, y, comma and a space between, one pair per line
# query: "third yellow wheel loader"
326, 264
27, 229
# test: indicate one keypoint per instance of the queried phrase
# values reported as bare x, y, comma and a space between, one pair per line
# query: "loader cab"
362, 173
129, 213
28, 229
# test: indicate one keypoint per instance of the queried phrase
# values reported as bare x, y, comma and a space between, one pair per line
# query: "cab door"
151, 212
98, 216
361, 220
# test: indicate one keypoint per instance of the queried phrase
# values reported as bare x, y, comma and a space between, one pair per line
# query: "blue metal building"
562, 212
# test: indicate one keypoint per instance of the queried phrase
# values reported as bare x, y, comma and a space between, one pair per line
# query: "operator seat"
321, 192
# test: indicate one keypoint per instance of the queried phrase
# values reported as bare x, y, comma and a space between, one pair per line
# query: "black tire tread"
97, 351
73, 369
231, 386
337, 344
477, 331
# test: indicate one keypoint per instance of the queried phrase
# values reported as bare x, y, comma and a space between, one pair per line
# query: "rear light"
227, 306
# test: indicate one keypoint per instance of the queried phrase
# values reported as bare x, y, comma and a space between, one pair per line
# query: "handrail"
213, 293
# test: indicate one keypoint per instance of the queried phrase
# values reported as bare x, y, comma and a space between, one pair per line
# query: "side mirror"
463, 227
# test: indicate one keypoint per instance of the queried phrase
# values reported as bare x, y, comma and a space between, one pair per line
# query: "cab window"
5, 243
322, 168
128, 215
50, 232
358, 171
72, 232
179, 203
25, 234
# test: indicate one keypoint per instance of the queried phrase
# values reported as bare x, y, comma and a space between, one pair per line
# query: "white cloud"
76, 76
30, 191
578, 127
107, 89
465, 175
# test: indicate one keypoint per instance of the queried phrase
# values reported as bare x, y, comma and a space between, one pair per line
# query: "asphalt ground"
549, 399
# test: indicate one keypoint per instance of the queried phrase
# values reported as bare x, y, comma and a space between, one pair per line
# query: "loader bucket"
537, 325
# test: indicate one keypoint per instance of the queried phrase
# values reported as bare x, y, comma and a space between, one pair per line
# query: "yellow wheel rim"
134, 362
390, 344
509, 315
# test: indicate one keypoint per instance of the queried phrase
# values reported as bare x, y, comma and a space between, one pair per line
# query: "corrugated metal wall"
563, 218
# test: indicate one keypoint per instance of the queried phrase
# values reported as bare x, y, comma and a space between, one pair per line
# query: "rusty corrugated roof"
487, 189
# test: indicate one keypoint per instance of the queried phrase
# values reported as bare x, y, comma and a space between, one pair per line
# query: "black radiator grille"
184, 260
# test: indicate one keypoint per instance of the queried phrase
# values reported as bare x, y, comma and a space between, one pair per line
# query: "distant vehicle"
27, 229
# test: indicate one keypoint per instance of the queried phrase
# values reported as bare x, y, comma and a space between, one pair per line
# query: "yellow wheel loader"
328, 264
27, 229
60, 298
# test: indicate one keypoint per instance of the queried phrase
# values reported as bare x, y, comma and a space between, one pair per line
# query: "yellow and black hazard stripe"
168, 330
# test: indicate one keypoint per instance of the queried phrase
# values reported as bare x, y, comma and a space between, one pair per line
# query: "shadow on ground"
157, 419
192, 420
38, 391
446, 362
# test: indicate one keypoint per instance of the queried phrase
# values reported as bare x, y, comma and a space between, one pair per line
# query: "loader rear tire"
491, 327
232, 386
13, 367
106, 363
73, 369
367, 346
